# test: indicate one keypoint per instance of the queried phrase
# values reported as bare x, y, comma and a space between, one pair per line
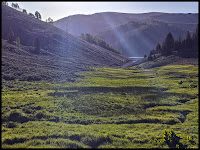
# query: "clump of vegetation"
94, 40
173, 140
15, 5
49, 20
38, 15
180, 82
24, 11
187, 47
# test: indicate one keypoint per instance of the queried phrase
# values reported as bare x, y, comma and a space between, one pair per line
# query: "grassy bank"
105, 108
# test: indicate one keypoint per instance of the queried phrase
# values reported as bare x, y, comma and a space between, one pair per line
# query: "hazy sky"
57, 10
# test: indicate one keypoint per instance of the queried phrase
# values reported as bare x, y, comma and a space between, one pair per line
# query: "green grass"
105, 108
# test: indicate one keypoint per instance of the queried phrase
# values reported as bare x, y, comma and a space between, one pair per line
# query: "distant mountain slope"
65, 49
176, 17
97, 41
137, 38
95, 23
133, 34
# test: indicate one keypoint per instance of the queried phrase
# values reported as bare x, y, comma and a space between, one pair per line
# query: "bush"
171, 139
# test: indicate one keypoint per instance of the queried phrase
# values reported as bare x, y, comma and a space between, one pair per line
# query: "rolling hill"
98, 22
152, 28
61, 53
138, 38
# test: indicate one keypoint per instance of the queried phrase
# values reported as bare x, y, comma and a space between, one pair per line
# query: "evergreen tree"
38, 15
195, 40
5, 3
158, 48
188, 42
177, 45
163, 48
168, 44
152, 52
30, 14
150, 58
24, 11
49, 20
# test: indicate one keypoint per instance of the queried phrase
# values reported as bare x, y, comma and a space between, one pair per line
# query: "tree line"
94, 40
187, 47
37, 14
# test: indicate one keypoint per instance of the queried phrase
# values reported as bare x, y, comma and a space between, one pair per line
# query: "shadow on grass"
126, 89
148, 94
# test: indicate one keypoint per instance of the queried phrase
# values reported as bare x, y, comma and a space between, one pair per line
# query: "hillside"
176, 18
97, 41
60, 51
133, 34
91, 24
98, 22
138, 38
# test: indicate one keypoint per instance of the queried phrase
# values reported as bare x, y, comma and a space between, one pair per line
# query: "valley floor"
104, 108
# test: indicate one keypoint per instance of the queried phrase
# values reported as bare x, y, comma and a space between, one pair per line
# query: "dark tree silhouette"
187, 47
16, 6
152, 52
5, 3
49, 20
37, 45
30, 14
24, 11
168, 45
188, 40
158, 48
37, 15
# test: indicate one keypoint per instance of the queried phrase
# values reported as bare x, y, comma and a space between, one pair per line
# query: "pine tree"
152, 52
188, 41
24, 11
168, 45
158, 48
38, 15
163, 48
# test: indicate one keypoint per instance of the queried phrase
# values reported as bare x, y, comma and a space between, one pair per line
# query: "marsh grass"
105, 108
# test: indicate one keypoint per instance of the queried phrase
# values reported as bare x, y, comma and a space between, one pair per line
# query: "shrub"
180, 82
171, 139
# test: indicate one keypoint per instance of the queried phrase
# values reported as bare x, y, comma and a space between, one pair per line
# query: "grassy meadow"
104, 108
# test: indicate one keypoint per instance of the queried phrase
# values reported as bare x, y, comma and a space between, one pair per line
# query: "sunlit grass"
105, 108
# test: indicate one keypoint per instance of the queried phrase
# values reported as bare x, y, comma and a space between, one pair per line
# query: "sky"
57, 10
